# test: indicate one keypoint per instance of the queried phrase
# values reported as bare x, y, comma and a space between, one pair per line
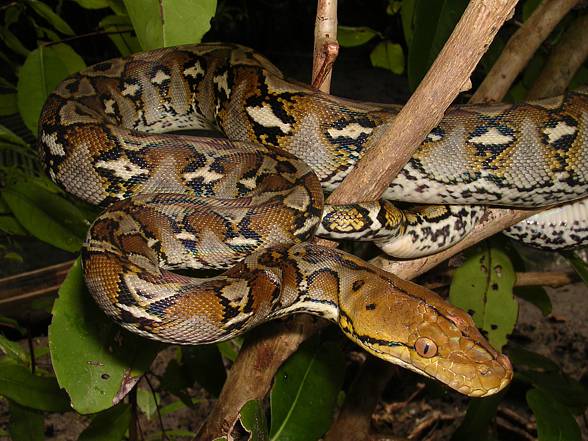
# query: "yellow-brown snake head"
413, 327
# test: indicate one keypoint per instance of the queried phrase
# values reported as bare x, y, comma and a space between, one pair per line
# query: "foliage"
95, 363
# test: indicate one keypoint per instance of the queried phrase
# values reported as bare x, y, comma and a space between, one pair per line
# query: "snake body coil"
174, 201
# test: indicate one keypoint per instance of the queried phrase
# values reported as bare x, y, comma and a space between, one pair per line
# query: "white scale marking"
109, 106
160, 77
554, 134
130, 89
266, 117
122, 168
194, 71
353, 131
50, 140
492, 136
207, 175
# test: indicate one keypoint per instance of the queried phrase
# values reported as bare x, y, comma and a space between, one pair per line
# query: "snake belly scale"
248, 205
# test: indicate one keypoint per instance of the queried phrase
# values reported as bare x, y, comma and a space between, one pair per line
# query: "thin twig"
159, 417
326, 47
89, 34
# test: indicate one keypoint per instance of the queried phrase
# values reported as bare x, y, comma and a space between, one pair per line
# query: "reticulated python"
175, 201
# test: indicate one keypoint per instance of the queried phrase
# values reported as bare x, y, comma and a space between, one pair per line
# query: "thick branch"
564, 61
520, 48
425, 108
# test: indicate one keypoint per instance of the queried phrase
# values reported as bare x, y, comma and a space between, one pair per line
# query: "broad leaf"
110, 425
47, 216
25, 424
95, 361
8, 104
42, 71
20, 385
305, 390
164, 23
480, 413
251, 420
434, 21
349, 36
388, 55
536, 295
48, 14
554, 421
578, 264
483, 286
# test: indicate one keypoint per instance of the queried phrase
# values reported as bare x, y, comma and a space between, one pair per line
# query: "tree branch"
520, 48
564, 61
447, 77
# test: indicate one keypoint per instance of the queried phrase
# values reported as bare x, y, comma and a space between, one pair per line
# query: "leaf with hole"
95, 361
483, 286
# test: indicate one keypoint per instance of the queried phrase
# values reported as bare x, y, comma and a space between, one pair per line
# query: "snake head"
410, 326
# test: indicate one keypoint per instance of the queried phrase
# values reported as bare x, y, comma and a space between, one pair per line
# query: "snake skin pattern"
174, 201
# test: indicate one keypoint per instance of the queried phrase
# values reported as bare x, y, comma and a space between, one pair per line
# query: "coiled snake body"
249, 204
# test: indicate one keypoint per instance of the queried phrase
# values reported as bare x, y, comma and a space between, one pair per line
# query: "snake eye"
425, 347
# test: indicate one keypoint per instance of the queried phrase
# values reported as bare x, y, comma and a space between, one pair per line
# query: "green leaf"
126, 43
164, 23
203, 364
9, 136
536, 295
480, 413
388, 55
95, 361
12, 42
93, 4
9, 225
434, 21
14, 351
147, 402
48, 14
523, 358
20, 385
483, 286
554, 421
252, 419
578, 264
230, 348
349, 36
305, 390
25, 424
110, 425
559, 387
407, 15
43, 70
47, 216
8, 104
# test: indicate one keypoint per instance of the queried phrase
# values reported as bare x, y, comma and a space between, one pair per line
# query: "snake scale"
249, 205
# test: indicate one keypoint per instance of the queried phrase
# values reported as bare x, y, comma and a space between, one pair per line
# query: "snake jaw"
391, 322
